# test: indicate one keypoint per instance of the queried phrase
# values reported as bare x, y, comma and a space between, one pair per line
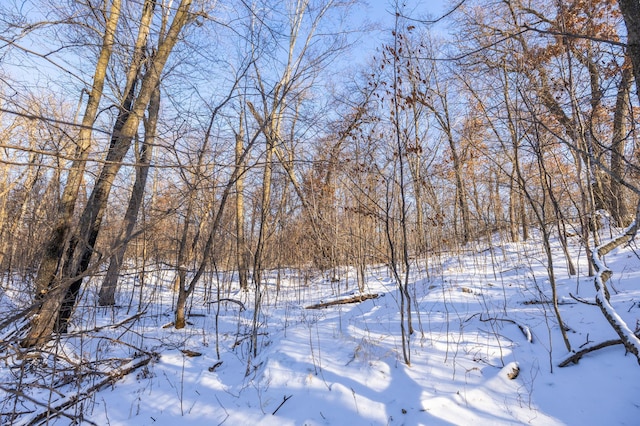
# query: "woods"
252, 139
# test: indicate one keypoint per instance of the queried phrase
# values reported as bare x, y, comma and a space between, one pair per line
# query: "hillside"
485, 350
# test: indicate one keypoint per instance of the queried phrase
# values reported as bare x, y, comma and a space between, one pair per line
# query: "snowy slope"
480, 319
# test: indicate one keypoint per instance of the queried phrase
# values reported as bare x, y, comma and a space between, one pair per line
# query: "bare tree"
61, 294
143, 161
279, 93
55, 246
436, 97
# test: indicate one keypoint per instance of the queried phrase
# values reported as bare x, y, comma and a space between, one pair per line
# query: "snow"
478, 321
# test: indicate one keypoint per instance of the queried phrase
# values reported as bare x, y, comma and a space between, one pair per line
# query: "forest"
173, 170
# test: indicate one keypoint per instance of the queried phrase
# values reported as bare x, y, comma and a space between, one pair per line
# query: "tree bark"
108, 288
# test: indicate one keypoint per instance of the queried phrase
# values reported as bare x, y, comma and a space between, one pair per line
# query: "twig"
523, 328
286, 398
19, 394
239, 339
242, 307
579, 299
113, 376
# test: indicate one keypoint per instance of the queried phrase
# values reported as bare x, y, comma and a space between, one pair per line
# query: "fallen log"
573, 359
354, 299
603, 274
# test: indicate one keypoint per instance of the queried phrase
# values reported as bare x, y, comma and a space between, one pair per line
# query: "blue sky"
382, 10
380, 14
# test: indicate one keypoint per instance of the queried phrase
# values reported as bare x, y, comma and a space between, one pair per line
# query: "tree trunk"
241, 244
616, 200
631, 12
181, 303
57, 307
460, 192
513, 221
442, 117
108, 288
48, 286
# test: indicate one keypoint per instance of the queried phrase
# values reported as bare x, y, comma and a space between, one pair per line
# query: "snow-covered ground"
485, 350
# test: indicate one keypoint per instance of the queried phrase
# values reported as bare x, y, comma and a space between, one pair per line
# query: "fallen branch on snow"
603, 274
242, 307
57, 410
523, 328
586, 302
286, 398
354, 299
573, 359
